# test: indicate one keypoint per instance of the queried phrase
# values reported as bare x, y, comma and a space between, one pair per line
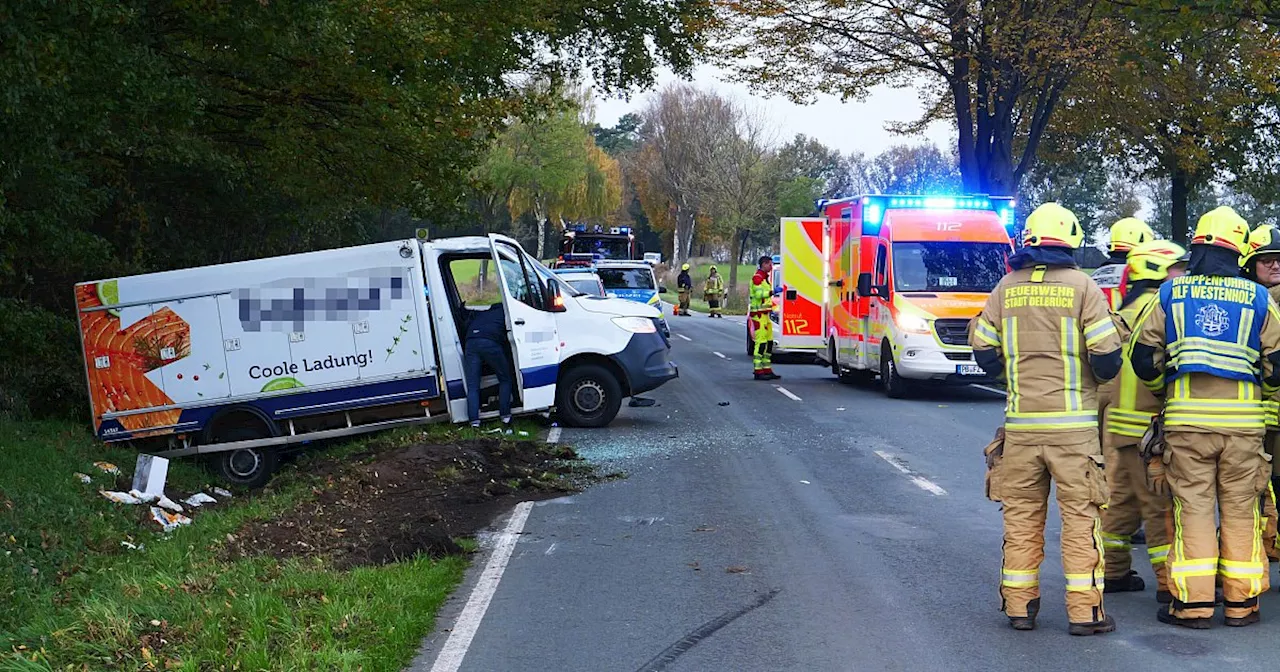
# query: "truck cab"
905, 275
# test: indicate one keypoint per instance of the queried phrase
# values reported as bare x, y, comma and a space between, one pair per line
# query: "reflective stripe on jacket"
1132, 404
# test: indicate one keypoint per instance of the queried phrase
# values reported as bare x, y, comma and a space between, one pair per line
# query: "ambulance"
903, 275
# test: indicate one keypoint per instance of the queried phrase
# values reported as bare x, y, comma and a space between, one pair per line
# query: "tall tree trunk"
540, 213
741, 236
1180, 188
683, 238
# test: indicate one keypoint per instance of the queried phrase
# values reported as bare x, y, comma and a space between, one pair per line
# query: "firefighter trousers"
1130, 506
1269, 500
1208, 474
683, 307
1021, 479
761, 342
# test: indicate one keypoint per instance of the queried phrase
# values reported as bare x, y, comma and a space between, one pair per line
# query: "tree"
995, 69
797, 196
622, 138
919, 169
681, 126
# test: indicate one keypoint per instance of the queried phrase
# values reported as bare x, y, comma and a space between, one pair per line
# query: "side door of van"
531, 325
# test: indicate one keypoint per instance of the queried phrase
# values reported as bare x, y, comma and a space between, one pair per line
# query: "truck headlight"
912, 323
636, 325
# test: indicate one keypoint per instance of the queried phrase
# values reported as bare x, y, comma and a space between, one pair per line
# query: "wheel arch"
599, 360
238, 414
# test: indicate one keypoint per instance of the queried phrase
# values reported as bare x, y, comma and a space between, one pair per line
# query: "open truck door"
803, 310
535, 344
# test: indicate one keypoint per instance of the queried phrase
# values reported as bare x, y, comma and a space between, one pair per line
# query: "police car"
633, 281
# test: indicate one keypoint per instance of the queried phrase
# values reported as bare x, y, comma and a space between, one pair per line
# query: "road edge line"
464, 629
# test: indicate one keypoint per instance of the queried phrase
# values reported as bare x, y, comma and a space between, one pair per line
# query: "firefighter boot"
1129, 583
1164, 615
1101, 627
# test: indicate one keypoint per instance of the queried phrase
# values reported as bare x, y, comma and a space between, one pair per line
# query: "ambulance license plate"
970, 370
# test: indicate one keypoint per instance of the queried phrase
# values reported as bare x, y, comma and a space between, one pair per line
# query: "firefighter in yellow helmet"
1126, 234
1210, 345
684, 286
1047, 331
1262, 265
713, 292
1126, 419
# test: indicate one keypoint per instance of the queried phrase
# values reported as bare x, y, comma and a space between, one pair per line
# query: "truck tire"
589, 395
895, 386
247, 467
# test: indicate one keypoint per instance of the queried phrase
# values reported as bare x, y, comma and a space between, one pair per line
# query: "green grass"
74, 598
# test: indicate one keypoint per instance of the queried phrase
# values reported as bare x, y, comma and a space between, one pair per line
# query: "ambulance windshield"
948, 266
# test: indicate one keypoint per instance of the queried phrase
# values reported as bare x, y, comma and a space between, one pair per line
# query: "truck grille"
952, 332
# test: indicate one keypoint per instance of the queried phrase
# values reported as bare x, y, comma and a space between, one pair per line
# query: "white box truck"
238, 360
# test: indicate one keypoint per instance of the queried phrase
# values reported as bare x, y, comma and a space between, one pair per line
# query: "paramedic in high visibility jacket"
1262, 265
1126, 234
1126, 419
1210, 344
1047, 331
759, 326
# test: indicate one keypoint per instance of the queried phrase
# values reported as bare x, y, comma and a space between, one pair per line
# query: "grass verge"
76, 598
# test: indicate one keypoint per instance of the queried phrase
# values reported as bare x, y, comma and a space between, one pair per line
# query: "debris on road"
736, 569
642, 402
704, 528
695, 566
404, 500
840, 408
806, 482
723, 403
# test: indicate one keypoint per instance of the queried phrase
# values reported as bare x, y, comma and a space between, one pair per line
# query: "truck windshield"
626, 278
948, 266
610, 247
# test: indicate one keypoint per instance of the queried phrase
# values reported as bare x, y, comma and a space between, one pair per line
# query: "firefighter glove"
1157, 482
1153, 444
995, 450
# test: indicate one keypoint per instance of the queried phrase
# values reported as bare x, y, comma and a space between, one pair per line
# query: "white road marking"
989, 389
787, 392
719, 354
919, 481
553, 435
685, 337
464, 630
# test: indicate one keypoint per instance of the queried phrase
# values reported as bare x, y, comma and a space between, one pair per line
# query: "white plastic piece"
143, 497
120, 497
199, 499
166, 503
221, 493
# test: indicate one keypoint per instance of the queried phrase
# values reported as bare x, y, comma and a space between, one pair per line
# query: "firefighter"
1047, 331
1262, 265
1126, 234
684, 285
1210, 344
1126, 420
713, 291
759, 326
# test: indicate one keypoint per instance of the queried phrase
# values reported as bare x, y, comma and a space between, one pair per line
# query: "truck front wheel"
589, 395
246, 467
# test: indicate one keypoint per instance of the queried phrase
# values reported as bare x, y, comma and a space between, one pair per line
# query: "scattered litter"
84, 478
166, 503
221, 492
695, 566
805, 482
120, 497
704, 528
108, 468
840, 408
642, 402
143, 497
155, 623
169, 521
523, 433
199, 499
150, 473
723, 403
736, 569
494, 430
132, 546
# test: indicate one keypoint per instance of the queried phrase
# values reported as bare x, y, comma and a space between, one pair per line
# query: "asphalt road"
840, 531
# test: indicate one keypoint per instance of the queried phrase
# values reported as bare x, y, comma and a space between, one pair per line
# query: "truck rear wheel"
589, 395
895, 386
246, 467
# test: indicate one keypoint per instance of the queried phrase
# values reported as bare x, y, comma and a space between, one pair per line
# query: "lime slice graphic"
109, 295
281, 384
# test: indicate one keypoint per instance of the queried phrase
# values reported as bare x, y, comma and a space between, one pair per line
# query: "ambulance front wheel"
895, 386
589, 395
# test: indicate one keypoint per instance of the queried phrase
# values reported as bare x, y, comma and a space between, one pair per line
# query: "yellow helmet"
1224, 228
684, 267
1129, 233
1052, 225
713, 267
1152, 260
1263, 240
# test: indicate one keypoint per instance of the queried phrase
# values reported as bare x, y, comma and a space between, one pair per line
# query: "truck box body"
287, 336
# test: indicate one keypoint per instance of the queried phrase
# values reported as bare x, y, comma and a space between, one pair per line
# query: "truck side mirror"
864, 284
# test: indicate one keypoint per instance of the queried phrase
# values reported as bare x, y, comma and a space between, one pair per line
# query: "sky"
851, 126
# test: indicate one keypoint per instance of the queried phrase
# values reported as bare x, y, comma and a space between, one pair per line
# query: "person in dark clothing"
485, 344
684, 285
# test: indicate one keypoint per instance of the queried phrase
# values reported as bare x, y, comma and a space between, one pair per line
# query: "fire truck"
891, 284
583, 245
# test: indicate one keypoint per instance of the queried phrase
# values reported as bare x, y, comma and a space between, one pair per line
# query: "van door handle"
520, 321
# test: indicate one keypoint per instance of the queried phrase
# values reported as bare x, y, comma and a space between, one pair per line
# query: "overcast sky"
852, 126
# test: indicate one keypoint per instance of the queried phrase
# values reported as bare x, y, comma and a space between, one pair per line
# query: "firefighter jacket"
714, 286
1210, 344
1050, 329
1132, 404
1115, 295
1271, 405
761, 293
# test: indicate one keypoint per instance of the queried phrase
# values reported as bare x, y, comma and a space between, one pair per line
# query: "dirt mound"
395, 503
